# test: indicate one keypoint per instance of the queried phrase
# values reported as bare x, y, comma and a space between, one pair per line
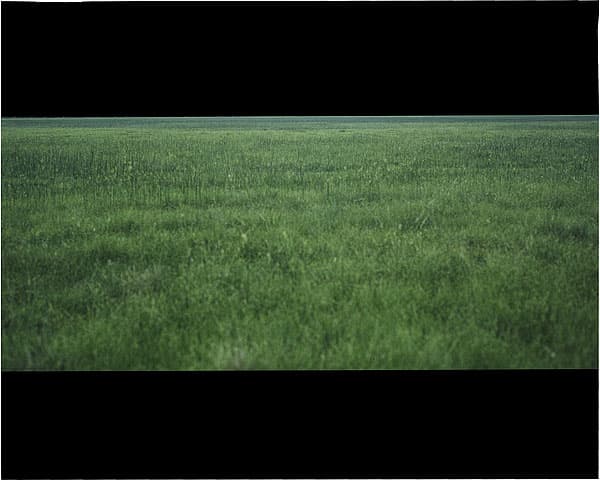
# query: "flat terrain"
300, 243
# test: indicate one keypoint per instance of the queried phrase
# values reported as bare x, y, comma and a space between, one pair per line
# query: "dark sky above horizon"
316, 58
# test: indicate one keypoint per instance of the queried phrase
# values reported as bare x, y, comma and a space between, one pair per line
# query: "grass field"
300, 243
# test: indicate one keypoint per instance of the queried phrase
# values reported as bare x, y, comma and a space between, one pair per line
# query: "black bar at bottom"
369, 424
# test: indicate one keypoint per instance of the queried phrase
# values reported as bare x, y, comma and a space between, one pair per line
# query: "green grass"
302, 243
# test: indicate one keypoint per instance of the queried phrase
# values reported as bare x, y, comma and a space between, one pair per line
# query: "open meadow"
299, 243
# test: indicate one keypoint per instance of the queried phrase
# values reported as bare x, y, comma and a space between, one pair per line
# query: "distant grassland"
300, 243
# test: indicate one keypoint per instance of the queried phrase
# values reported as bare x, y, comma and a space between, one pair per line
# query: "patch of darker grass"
126, 227
578, 232
448, 269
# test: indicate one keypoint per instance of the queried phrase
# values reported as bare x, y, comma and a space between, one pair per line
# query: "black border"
342, 424
299, 58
